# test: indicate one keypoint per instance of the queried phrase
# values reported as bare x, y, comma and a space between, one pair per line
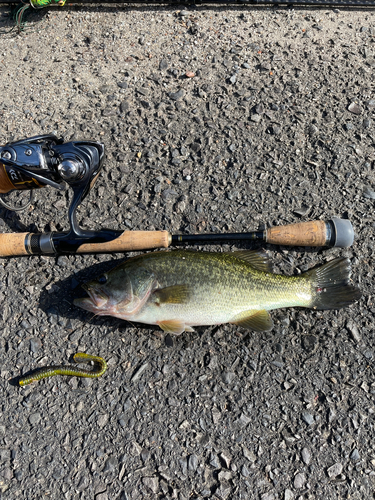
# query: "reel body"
45, 160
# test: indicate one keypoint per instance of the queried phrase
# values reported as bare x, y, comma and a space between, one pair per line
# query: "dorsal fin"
256, 258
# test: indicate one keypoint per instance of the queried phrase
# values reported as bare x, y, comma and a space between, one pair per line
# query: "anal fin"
259, 321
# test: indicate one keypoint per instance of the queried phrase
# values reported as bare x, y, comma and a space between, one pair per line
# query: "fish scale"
224, 286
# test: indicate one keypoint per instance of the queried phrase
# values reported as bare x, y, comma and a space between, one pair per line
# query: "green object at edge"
40, 4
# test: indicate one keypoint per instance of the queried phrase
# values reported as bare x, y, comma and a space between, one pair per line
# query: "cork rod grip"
313, 233
129, 241
12, 244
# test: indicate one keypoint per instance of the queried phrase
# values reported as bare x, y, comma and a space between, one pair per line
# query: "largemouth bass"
180, 289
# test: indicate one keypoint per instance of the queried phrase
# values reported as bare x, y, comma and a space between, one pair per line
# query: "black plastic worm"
72, 371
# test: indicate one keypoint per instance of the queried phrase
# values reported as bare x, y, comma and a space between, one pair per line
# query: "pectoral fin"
259, 321
174, 326
176, 294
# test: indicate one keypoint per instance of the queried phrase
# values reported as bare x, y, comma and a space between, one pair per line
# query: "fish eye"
102, 279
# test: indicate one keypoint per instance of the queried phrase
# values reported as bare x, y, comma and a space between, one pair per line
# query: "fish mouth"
97, 300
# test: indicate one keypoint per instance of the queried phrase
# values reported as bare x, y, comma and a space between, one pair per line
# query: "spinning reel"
46, 160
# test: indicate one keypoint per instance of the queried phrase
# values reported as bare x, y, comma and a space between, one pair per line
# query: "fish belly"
194, 313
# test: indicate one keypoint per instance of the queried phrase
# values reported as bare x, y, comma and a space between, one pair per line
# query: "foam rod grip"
302, 234
13, 244
129, 241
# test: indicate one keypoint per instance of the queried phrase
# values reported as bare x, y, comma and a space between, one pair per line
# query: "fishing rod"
45, 160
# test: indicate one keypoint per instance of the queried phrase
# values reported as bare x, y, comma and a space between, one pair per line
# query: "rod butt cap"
344, 232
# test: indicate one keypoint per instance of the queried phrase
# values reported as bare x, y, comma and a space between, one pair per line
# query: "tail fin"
331, 282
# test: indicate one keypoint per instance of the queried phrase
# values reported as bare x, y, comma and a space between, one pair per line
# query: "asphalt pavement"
214, 119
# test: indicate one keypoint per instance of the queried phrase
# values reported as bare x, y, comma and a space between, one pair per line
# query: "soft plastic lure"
72, 371
40, 4
22, 9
